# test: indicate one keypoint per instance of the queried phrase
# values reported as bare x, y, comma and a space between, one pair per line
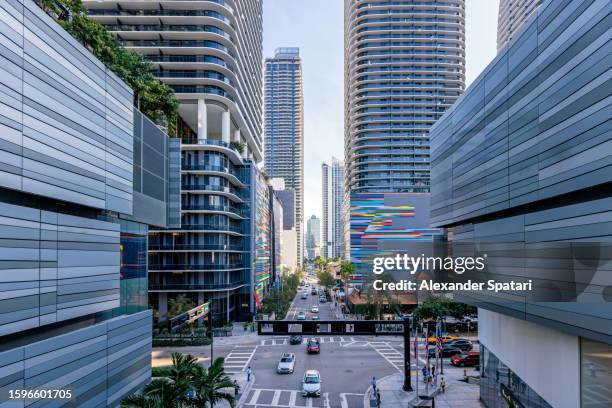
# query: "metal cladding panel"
535, 124
54, 267
87, 361
65, 120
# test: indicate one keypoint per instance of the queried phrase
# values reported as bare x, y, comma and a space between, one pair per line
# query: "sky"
316, 27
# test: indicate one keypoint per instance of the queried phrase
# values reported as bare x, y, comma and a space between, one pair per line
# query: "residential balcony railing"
206, 59
195, 267
170, 28
160, 13
195, 247
221, 208
212, 187
197, 286
204, 89
212, 227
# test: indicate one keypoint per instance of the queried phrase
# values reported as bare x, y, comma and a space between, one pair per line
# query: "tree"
186, 376
320, 262
155, 99
347, 270
325, 278
437, 307
179, 304
210, 385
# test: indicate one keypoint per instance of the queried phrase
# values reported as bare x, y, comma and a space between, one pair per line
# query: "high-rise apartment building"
284, 127
404, 66
337, 194
326, 211
313, 237
77, 196
526, 181
332, 229
513, 14
210, 53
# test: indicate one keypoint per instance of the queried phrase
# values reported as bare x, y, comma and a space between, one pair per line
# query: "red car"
470, 359
313, 346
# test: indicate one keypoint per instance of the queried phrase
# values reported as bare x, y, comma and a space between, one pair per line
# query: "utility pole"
212, 333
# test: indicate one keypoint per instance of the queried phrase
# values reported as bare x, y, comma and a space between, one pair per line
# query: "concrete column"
202, 121
236, 135
225, 126
162, 306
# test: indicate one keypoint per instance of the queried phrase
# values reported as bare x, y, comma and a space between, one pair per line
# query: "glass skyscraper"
332, 229
404, 66
284, 128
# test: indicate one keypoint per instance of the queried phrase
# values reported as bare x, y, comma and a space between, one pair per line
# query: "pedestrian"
249, 371
433, 370
377, 398
373, 382
442, 384
425, 373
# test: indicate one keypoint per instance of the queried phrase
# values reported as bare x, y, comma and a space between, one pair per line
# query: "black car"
295, 339
463, 344
447, 351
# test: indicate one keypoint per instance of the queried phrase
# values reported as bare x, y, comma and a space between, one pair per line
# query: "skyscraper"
326, 211
337, 194
513, 14
332, 210
210, 53
404, 66
284, 127
313, 237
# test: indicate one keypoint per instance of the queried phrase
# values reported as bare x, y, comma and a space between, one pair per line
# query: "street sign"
184, 319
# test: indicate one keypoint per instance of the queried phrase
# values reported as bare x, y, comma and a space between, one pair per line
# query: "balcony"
217, 208
185, 287
212, 227
195, 267
195, 247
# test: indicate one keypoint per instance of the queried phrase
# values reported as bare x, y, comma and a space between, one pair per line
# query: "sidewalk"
245, 387
458, 394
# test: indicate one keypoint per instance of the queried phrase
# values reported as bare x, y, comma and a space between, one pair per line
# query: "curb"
366, 395
244, 394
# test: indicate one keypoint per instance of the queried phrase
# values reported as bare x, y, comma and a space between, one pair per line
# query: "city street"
346, 364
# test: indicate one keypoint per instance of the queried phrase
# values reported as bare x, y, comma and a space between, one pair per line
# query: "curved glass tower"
210, 53
404, 66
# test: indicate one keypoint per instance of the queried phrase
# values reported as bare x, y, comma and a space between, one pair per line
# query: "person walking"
442, 384
373, 382
377, 398
248, 372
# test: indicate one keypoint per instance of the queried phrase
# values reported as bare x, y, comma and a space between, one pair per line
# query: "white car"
311, 384
315, 317
301, 316
314, 309
286, 364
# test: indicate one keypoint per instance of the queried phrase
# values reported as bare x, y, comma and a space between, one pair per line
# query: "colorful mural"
385, 224
263, 254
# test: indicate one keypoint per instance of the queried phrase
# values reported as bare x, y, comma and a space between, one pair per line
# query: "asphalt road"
326, 310
346, 363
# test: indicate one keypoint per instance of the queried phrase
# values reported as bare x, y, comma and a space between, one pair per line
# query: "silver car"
286, 364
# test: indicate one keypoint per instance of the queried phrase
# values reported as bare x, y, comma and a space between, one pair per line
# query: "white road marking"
344, 401
238, 359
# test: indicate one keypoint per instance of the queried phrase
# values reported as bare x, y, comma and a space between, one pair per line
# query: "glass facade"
133, 289
500, 387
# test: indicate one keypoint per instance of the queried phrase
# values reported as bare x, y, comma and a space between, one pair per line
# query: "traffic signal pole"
407, 365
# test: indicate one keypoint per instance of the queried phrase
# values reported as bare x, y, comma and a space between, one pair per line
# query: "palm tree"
212, 385
159, 393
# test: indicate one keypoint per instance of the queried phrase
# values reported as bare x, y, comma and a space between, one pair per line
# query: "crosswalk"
239, 358
389, 353
265, 397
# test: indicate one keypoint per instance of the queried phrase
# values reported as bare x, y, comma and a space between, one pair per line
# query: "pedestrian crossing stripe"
239, 358
252, 400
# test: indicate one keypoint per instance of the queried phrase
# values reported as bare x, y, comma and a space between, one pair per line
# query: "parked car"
313, 346
314, 309
447, 351
301, 316
468, 359
311, 384
463, 344
295, 339
286, 364
444, 339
